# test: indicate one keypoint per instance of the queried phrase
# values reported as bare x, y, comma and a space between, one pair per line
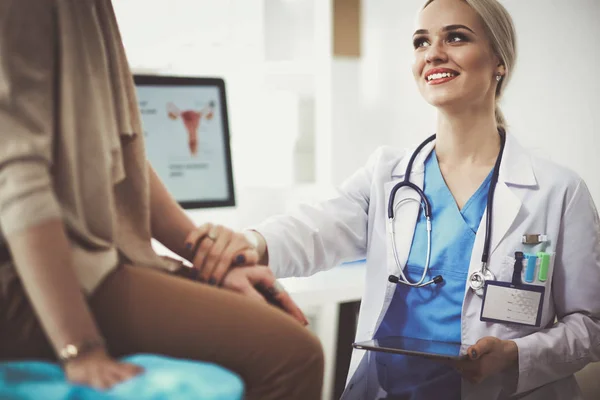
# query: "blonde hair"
500, 29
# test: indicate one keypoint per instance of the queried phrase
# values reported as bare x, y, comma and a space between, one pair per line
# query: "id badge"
518, 304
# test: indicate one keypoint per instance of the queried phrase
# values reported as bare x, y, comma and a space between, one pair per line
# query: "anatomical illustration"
191, 120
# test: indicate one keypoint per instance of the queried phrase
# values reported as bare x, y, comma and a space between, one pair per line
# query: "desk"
321, 297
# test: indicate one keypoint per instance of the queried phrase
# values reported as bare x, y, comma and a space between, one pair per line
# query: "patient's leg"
144, 311
140, 310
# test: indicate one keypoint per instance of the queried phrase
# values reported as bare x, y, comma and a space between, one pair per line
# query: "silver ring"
278, 287
212, 235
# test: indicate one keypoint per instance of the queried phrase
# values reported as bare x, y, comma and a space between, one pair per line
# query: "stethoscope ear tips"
393, 279
438, 279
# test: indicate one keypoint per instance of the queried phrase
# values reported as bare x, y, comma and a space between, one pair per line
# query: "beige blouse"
71, 143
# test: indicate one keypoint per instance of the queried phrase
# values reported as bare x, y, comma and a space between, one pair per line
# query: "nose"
435, 53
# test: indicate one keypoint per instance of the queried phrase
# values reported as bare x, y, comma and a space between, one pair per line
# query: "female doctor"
485, 192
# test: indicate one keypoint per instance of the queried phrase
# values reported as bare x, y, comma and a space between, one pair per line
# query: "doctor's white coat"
532, 196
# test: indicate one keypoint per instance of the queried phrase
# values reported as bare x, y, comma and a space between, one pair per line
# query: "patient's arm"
30, 214
42, 256
170, 224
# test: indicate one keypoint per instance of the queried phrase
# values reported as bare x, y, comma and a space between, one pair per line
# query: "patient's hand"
215, 249
246, 280
97, 369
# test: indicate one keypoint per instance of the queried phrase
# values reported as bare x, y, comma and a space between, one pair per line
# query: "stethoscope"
478, 278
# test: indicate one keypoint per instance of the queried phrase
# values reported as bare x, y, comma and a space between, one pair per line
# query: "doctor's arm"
172, 227
320, 236
574, 340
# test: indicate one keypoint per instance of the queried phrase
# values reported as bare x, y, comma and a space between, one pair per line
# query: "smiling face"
454, 63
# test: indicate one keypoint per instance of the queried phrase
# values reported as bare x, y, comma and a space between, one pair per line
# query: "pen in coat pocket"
544, 265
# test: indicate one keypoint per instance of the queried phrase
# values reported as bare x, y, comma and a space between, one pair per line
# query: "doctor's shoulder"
386, 158
558, 180
368, 181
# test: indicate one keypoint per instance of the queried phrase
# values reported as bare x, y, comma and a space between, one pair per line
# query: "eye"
420, 42
456, 37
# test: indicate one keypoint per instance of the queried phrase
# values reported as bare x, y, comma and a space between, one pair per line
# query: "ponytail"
500, 120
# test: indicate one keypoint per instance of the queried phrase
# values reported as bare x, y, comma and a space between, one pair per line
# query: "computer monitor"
187, 137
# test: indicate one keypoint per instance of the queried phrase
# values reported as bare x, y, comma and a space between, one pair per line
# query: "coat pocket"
536, 271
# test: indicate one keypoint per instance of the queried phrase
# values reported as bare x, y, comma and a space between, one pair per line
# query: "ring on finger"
212, 234
277, 288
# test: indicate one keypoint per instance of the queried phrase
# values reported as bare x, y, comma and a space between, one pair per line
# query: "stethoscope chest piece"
477, 280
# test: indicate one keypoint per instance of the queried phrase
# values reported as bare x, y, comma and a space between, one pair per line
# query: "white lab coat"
533, 195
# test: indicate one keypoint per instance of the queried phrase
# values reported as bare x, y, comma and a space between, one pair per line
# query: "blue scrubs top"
432, 312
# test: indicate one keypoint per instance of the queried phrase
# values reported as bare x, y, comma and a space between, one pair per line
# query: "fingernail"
473, 354
272, 291
240, 259
212, 281
188, 246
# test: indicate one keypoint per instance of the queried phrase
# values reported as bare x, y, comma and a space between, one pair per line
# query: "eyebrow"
444, 29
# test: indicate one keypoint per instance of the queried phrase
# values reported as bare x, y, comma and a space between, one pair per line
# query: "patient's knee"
309, 352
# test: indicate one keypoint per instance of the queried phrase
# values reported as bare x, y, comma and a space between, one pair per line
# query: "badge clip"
534, 238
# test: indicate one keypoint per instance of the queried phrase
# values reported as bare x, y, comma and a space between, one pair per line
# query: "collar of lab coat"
515, 169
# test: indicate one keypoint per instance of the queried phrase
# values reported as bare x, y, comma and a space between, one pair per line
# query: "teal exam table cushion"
163, 378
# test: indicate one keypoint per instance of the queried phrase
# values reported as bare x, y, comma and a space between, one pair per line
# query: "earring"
498, 77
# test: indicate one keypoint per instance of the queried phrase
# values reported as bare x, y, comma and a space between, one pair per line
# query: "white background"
551, 103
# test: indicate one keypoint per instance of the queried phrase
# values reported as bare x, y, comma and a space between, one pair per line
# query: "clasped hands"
225, 258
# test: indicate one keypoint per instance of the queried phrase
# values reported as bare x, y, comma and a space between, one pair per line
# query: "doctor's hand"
489, 356
259, 284
215, 249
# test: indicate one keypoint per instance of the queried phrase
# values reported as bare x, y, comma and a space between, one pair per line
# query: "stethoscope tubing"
427, 212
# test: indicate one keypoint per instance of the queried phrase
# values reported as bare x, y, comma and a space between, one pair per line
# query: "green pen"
544, 264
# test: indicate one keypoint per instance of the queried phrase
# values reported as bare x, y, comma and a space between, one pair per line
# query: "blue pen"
530, 270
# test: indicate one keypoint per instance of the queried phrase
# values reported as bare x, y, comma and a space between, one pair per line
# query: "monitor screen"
186, 131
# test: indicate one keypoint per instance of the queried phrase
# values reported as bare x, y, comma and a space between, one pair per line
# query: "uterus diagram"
191, 120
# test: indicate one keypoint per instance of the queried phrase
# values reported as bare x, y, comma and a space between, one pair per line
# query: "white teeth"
439, 76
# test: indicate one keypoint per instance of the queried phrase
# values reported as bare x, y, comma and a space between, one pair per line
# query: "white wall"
552, 103
225, 38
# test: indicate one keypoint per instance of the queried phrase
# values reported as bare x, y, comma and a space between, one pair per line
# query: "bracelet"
71, 351
251, 238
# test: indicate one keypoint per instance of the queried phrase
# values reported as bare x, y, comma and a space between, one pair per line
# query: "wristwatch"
251, 238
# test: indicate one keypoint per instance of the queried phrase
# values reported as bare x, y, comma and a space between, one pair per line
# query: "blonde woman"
484, 193
78, 207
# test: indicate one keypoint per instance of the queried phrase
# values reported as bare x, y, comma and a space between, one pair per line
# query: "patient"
79, 204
